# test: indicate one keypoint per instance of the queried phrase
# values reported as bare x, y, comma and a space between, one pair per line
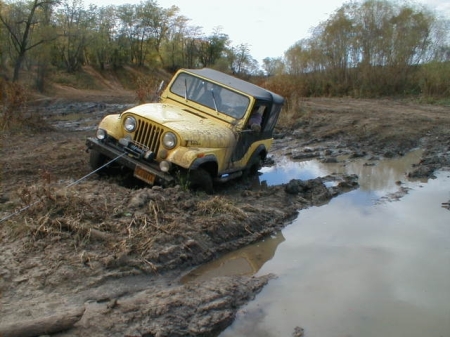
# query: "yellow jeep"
200, 130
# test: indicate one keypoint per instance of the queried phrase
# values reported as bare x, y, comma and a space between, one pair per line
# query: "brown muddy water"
368, 263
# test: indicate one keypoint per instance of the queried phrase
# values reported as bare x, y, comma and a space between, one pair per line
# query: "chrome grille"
148, 135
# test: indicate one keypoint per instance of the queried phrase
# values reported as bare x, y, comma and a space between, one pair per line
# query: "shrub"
14, 97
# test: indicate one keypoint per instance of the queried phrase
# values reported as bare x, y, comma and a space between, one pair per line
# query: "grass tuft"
219, 205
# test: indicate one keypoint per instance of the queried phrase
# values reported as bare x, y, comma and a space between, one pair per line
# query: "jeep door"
246, 137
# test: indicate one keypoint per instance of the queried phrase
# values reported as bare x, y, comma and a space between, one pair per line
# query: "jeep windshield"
211, 95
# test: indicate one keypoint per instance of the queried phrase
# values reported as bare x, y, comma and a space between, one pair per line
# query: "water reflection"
373, 175
355, 268
375, 180
246, 261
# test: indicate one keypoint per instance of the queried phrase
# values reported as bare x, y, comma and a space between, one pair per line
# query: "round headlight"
129, 124
101, 134
169, 140
165, 166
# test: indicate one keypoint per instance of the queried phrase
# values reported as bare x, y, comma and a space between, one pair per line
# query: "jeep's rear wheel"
200, 179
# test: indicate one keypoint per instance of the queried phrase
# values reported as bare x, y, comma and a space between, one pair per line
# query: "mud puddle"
374, 174
368, 263
376, 181
246, 261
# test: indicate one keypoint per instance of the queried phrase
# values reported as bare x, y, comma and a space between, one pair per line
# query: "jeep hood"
193, 129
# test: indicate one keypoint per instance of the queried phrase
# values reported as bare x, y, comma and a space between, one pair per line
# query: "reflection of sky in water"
288, 170
375, 180
358, 268
360, 198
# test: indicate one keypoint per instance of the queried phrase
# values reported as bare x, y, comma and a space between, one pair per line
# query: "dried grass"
146, 87
14, 99
51, 212
131, 234
14, 113
219, 205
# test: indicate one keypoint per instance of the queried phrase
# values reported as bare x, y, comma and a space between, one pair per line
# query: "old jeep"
199, 133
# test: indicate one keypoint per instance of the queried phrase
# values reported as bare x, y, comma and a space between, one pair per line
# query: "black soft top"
238, 84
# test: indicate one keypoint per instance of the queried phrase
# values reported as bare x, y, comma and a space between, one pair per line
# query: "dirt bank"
104, 256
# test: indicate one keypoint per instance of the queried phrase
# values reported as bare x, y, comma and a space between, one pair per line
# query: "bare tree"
176, 46
191, 46
75, 24
20, 20
242, 58
102, 36
213, 47
273, 66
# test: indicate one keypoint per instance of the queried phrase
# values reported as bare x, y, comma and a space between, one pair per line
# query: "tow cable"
68, 186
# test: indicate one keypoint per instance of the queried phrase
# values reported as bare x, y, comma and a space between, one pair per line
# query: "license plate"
141, 173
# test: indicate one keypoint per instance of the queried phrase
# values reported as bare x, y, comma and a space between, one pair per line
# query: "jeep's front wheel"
200, 179
97, 160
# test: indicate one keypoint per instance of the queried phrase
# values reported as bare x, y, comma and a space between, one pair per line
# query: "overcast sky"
269, 27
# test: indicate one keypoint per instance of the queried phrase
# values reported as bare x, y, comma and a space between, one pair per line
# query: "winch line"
23, 209
89, 174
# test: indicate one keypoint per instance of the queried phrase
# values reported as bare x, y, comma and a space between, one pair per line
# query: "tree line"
66, 34
369, 48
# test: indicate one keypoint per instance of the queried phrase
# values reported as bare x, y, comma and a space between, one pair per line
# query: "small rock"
294, 187
330, 160
298, 332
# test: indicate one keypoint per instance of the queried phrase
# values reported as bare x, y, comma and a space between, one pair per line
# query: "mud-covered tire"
97, 160
200, 179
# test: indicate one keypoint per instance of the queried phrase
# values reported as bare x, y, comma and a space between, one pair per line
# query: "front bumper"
136, 165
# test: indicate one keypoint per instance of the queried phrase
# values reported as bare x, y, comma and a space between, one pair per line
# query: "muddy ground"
103, 256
